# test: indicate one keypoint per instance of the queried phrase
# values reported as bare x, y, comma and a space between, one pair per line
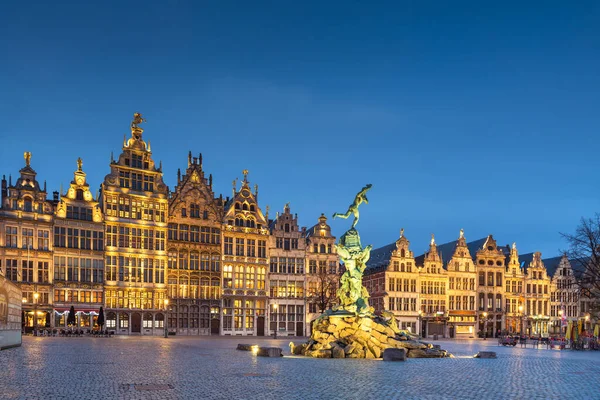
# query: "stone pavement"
211, 368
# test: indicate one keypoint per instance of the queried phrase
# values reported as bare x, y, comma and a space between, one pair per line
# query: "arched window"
322, 248
252, 208
194, 260
159, 320
215, 289
401, 267
286, 228
204, 260
147, 323
204, 317
204, 288
111, 320
184, 284
237, 206
172, 286
123, 321
194, 287
215, 262
183, 259
402, 253
172, 258
245, 206
250, 277
27, 204
238, 279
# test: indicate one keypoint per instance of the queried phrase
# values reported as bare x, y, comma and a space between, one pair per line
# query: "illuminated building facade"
245, 263
287, 252
26, 244
564, 298
392, 279
322, 270
490, 262
513, 293
462, 280
78, 254
194, 253
537, 297
135, 206
433, 282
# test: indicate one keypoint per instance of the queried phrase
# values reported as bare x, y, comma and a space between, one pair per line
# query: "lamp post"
587, 319
421, 323
166, 319
276, 321
560, 314
485, 314
522, 319
36, 295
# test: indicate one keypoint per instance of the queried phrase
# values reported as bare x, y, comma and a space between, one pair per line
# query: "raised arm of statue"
361, 197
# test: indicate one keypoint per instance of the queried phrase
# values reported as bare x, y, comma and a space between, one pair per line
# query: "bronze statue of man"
361, 197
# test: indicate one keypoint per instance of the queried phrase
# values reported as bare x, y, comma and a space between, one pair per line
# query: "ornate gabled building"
322, 270
564, 299
287, 252
513, 293
194, 253
462, 315
78, 254
26, 218
490, 264
245, 262
392, 280
433, 282
135, 205
537, 297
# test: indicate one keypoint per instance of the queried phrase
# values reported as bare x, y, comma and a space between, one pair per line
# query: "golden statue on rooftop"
27, 156
136, 131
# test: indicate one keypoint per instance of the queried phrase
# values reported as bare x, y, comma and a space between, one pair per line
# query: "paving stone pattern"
212, 368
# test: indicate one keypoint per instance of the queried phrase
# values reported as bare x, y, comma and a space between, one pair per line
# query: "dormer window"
27, 205
79, 194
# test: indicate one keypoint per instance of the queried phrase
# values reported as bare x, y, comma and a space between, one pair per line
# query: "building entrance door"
260, 326
136, 323
299, 329
215, 325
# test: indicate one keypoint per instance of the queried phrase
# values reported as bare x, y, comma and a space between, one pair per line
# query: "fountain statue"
352, 329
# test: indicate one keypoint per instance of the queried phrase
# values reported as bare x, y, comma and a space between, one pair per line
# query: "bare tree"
584, 255
323, 291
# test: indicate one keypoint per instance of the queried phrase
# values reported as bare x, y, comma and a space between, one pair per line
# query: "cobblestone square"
210, 368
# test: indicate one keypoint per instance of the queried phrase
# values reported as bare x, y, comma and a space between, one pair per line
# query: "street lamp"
587, 319
560, 314
276, 321
166, 319
36, 295
522, 319
421, 322
485, 325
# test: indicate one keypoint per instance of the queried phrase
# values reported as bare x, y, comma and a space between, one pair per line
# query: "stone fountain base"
350, 336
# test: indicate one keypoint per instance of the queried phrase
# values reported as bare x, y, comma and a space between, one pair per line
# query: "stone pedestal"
362, 337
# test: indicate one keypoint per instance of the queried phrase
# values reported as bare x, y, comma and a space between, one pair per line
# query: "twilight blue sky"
474, 115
